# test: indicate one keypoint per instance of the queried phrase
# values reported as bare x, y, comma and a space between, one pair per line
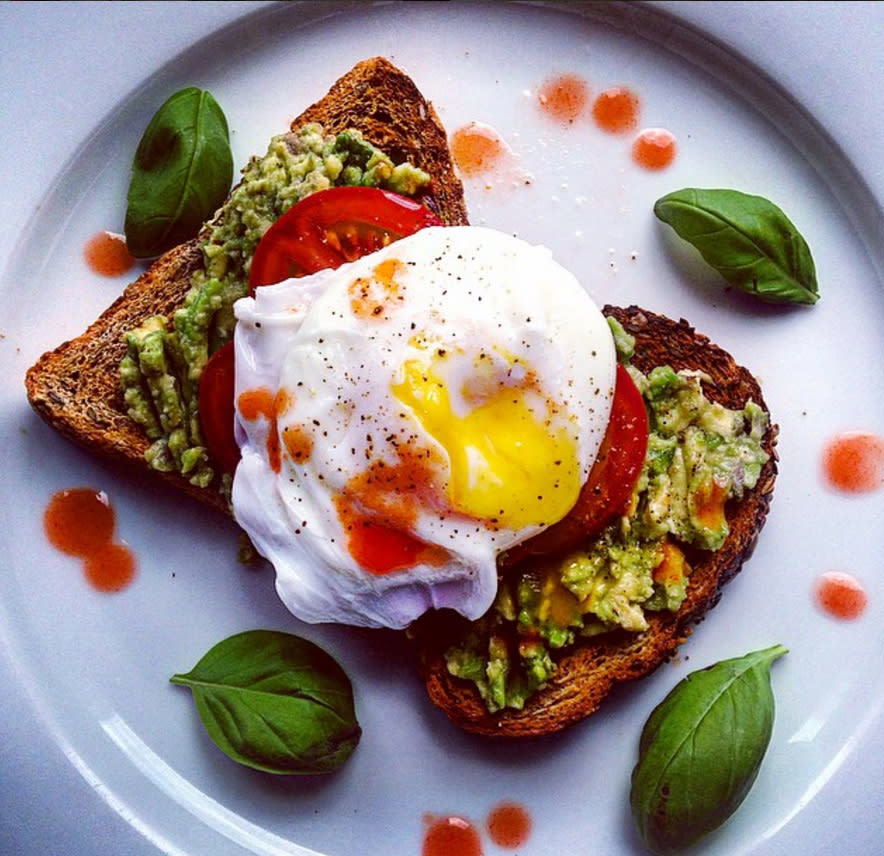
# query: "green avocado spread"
166, 356
699, 456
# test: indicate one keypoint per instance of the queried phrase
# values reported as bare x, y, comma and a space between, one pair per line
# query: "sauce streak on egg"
80, 522
254, 404
377, 509
391, 490
373, 296
381, 549
298, 443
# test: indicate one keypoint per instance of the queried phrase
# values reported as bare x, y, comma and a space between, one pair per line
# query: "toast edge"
74, 386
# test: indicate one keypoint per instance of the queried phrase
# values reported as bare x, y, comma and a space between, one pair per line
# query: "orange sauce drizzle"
509, 825
372, 297
298, 443
81, 522
654, 149
853, 462
451, 835
477, 148
615, 110
388, 490
564, 98
261, 402
382, 549
107, 254
841, 596
377, 510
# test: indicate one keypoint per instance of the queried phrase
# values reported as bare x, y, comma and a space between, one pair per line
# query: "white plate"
101, 755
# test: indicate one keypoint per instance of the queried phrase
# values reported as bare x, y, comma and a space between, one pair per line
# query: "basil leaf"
747, 239
275, 702
701, 749
182, 172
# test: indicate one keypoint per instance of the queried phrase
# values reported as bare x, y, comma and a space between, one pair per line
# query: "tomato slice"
334, 226
216, 408
611, 479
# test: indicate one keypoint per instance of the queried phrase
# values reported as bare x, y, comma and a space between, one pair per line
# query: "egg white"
471, 304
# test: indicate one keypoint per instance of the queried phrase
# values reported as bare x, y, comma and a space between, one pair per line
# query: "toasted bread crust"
75, 387
387, 107
589, 672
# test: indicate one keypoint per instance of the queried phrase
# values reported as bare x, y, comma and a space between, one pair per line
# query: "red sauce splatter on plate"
615, 110
479, 151
853, 462
477, 148
80, 522
451, 835
106, 254
111, 568
564, 98
509, 825
841, 596
654, 148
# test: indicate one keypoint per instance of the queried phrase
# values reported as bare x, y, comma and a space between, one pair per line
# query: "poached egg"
406, 417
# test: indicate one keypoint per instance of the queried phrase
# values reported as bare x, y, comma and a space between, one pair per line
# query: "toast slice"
75, 388
588, 673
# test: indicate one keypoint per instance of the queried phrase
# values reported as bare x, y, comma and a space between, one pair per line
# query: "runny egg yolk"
510, 464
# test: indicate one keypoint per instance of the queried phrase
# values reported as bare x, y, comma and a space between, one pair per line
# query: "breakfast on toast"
591, 616
426, 425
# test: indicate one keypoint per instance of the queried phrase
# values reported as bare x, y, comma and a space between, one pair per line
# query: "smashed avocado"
700, 454
166, 356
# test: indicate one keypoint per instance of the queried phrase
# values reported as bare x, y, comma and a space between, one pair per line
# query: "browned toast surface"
76, 387
384, 104
589, 672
